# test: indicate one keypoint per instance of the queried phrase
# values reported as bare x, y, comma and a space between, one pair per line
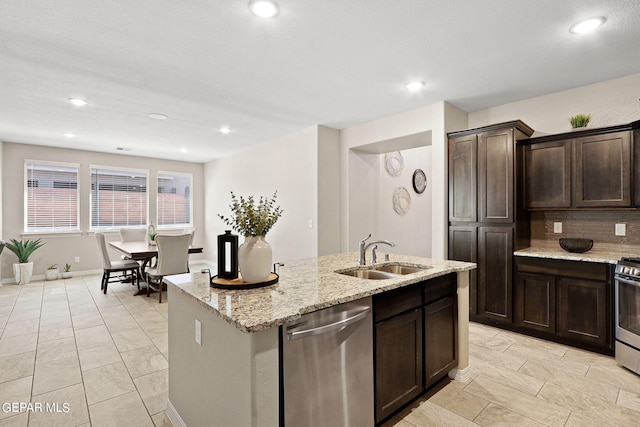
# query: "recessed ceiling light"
157, 116
78, 102
415, 86
225, 130
587, 25
183, 150
264, 8
69, 135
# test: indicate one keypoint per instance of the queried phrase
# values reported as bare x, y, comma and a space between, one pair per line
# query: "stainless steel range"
627, 289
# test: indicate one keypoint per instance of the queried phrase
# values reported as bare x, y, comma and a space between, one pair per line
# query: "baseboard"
461, 375
173, 415
41, 277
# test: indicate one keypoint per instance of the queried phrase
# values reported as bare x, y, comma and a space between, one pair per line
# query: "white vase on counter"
255, 259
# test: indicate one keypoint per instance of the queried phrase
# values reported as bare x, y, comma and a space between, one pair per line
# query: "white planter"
51, 273
23, 272
66, 275
255, 259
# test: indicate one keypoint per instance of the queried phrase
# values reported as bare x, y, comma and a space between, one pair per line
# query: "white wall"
610, 103
410, 232
60, 249
288, 165
329, 228
360, 176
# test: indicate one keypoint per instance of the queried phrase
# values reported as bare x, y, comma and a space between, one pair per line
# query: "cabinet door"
463, 246
462, 178
602, 173
535, 302
398, 362
495, 176
548, 175
582, 310
441, 336
495, 257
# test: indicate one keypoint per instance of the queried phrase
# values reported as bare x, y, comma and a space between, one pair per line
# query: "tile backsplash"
596, 225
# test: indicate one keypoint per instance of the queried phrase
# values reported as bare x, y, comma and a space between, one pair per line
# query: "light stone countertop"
304, 286
608, 253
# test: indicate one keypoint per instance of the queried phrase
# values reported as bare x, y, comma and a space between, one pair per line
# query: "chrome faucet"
364, 246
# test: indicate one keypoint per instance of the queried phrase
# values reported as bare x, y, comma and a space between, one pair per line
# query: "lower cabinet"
398, 361
415, 339
568, 301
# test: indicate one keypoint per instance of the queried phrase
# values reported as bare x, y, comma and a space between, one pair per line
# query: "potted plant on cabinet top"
23, 269
253, 222
580, 120
52, 272
66, 274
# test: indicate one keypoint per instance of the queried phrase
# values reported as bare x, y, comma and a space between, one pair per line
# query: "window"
174, 199
51, 197
118, 198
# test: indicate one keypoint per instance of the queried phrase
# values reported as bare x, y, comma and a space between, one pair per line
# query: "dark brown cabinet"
415, 341
548, 175
441, 332
495, 260
398, 359
487, 221
594, 168
567, 301
602, 170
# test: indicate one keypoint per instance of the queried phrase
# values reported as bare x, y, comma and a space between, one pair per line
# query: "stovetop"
628, 266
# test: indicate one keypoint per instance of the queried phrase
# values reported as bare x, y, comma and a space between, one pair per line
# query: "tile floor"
523, 381
101, 360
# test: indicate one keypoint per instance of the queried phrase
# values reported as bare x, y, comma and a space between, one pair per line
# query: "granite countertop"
608, 253
304, 286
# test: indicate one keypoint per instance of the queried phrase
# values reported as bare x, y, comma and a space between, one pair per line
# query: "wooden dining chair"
123, 267
173, 258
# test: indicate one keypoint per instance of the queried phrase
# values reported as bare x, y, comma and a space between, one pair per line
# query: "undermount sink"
382, 272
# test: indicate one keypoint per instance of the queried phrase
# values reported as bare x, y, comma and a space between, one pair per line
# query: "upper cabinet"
481, 172
592, 168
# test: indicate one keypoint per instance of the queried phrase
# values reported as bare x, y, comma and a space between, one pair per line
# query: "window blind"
52, 197
118, 198
174, 199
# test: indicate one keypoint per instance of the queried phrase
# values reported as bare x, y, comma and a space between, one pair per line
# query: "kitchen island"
232, 376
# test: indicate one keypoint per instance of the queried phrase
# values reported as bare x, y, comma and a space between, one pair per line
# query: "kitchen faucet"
364, 246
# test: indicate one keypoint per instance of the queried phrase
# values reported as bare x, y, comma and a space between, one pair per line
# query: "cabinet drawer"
556, 267
439, 287
395, 302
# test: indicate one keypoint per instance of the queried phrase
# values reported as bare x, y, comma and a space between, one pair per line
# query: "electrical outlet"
77, 259
310, 223
621, 229
557, 227
198, 332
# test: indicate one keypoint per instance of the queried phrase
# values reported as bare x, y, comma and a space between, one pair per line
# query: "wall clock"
419, 181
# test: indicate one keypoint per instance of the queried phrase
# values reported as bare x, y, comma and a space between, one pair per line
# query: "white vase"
23, 272
254, 259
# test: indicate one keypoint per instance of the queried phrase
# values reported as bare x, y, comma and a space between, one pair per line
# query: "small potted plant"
66, 273
580, 120
52, 272
152, 238
23, 269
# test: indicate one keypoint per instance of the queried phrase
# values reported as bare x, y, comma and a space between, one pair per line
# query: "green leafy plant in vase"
253, 219
66, 273
52, 272
23, 269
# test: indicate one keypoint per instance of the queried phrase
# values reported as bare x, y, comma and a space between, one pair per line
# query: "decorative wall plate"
419, 181
401, 200
394, 163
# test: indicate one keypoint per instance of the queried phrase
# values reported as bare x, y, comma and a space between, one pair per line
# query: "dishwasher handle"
339, 325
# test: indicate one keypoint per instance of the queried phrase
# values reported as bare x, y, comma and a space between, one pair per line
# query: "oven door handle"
628, 282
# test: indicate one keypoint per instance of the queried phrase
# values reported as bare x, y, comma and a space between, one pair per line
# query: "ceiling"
207, 64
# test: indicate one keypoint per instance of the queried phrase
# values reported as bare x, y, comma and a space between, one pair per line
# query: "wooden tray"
217, 282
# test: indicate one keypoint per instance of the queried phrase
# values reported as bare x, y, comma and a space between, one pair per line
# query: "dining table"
141, 250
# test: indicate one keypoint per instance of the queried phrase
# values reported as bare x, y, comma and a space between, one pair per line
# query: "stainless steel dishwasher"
327, 367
